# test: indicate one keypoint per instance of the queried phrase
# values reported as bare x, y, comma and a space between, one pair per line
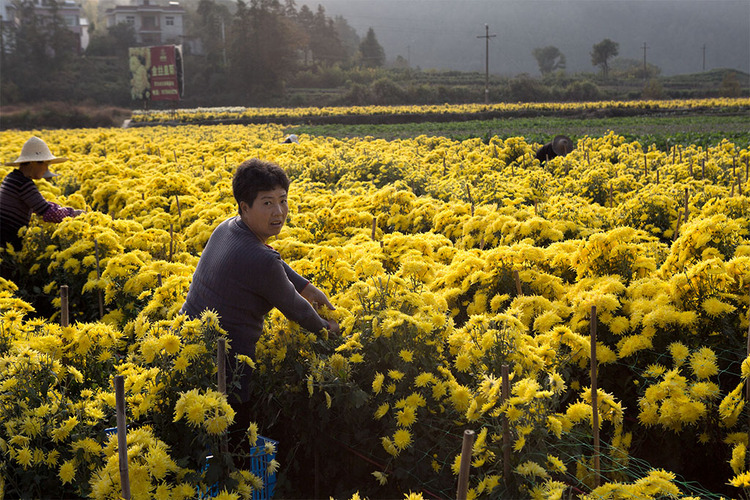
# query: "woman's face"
37, 169
267, 214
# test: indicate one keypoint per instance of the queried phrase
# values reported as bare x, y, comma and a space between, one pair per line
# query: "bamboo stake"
171, 241
179, 210
374, 227
98, 277
594, 402
471, 200
677, 226
221, 382
504, 395
221, 357
463, 474
158, 280
517, 278
687, 207
122, 436
64, 306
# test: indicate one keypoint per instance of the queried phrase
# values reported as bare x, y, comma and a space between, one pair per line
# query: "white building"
154, 24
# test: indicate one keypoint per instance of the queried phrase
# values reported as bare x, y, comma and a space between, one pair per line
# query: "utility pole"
487, 37
223, 44
645, 70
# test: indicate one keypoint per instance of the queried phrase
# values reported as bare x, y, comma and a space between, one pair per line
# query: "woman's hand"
316, 297
333, 327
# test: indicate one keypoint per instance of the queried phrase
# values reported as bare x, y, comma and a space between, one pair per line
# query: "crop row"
447, 261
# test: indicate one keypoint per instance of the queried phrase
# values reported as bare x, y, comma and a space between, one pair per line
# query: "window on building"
148, 22
169, 21
130, 19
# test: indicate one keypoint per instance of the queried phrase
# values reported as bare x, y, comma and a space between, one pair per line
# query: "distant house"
154, 24
68, 10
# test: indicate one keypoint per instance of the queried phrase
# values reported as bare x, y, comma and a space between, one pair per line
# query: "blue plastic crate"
260, 457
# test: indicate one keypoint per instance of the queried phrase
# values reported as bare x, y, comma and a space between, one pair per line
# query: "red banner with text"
165, 85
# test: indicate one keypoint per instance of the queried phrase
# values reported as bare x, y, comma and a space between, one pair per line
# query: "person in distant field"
241, 278
20, 197
559, 146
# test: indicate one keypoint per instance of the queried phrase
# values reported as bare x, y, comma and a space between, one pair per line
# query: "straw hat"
562, 145
36, 150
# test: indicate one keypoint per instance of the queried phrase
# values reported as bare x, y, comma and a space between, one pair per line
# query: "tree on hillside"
36, 49
549, 59
261, 50
371, 52
115, 41
626, 68
324, 41
348, 36
602, 52
210, 27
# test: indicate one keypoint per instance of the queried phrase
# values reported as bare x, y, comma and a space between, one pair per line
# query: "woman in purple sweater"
19, 196
242, 278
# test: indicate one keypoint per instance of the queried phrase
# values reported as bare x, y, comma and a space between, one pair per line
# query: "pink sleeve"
56, 213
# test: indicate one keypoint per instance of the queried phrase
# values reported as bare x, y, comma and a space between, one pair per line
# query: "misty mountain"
450, 34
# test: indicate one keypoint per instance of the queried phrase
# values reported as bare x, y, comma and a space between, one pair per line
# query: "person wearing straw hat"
559, 146
20, 197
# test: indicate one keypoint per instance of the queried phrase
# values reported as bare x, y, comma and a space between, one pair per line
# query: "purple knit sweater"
242, 279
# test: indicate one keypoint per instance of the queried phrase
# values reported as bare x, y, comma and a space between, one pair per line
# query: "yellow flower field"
448, 263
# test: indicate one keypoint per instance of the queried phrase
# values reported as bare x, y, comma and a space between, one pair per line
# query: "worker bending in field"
559, 146
20, 197
242, 278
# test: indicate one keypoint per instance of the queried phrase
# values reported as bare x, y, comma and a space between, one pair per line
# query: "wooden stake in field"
471, 200
171, 241
374, 227
517, 279
122, 436
99, 277
594, 399
64, 306
463, 473
504, 395
221, 357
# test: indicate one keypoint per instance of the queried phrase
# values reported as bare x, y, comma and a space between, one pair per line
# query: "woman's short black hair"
255, 175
